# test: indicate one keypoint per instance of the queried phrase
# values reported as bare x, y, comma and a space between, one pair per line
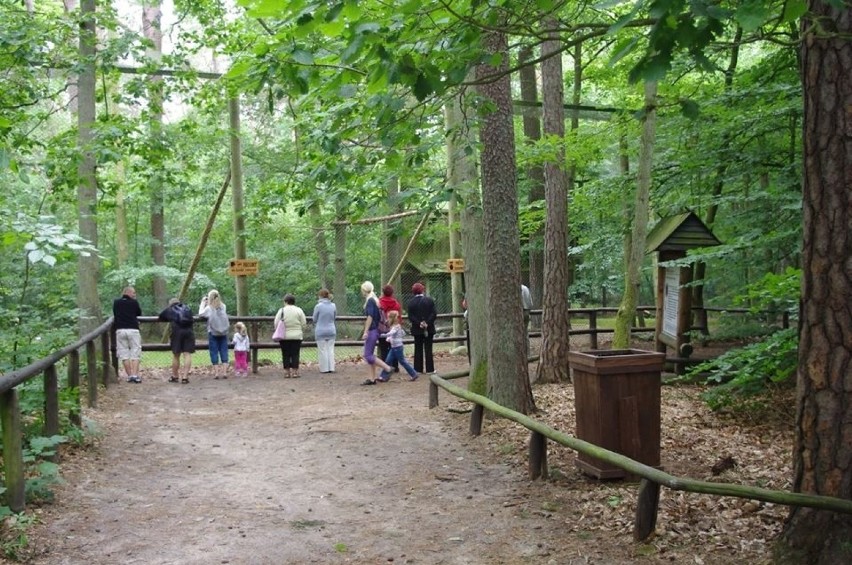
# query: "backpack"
218, 321
183, 315
384, 327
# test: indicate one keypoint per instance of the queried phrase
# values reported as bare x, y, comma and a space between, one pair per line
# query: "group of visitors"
382, 321
382, 327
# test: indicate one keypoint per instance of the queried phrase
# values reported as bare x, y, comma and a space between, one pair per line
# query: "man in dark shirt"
422, 314
128, 340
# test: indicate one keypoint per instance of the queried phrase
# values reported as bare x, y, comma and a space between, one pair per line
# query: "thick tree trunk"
462, 179
508, 377
151, 18
822, 459
641, 211
88, 267
553, 367
535, 173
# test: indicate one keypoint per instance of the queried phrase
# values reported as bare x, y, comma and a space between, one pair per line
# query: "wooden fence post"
51, 402
74, 382
105, 360
476, 419
538, 456
253, 333
646, 510
593, 326
433, 395
92, 374
13, 454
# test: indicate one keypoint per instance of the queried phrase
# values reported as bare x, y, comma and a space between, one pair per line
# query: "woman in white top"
295, 323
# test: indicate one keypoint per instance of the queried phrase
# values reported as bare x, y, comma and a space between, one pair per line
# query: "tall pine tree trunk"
508, 377
535, 172
553, 367
641, 212
151, 21
88, 266
822, 458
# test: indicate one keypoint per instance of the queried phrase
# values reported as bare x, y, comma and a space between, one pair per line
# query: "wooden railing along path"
10, 410
98, 373
652, 478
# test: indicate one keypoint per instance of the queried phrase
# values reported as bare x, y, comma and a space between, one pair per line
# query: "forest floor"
267, 470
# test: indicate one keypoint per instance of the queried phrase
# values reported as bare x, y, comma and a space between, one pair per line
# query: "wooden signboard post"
671, 238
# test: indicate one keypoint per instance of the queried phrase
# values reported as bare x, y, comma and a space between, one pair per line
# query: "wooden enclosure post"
92, 374
538, 456
253, 333
13, 455
433, 395
593, 327
105, 372
74, 383
51, 402
113, 352
476, 420
646, 510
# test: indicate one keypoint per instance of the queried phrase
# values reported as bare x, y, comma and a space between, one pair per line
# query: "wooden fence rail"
652, 478
98, 373
10, 410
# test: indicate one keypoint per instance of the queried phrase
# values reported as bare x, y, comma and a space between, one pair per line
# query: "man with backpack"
182, 339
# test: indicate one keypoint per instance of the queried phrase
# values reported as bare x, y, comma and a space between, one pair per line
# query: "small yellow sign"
243, 267
455, 265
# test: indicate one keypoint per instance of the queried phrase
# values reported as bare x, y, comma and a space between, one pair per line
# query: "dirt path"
271, 470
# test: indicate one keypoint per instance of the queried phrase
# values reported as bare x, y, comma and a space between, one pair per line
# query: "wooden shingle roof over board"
679, 233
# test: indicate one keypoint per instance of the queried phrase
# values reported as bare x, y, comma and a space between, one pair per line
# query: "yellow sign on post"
455, 265
243, 267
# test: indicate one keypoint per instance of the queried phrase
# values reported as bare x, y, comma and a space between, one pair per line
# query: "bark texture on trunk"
508, 376
553, 367
535, 173
822, 460
151, 28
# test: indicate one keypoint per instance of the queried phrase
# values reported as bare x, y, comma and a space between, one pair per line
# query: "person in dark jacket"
128, 340
182, 338
422, 314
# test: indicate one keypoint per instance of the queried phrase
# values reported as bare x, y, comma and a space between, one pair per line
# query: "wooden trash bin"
617, 400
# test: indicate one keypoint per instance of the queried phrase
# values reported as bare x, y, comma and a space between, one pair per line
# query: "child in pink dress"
241, 349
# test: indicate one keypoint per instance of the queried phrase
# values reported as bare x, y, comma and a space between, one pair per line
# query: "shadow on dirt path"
271, 470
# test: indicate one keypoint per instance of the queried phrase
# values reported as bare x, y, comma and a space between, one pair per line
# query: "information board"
671, 301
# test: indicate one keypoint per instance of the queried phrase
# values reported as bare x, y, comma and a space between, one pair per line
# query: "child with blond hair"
241, 349
396, 354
